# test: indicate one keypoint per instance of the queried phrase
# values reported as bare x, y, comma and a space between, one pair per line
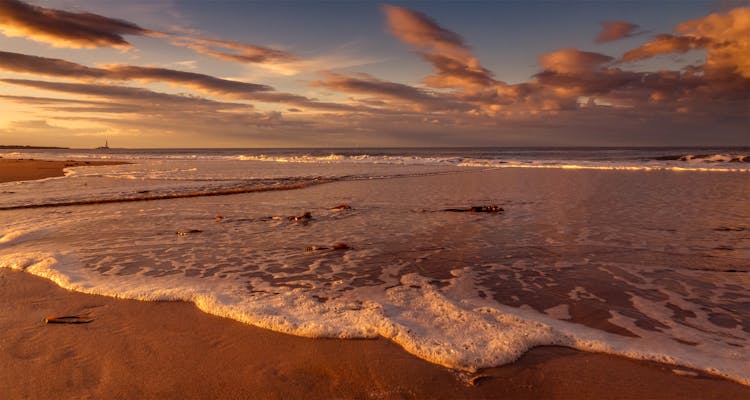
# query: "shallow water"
643, 263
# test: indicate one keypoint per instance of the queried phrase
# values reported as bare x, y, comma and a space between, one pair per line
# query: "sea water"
638, 252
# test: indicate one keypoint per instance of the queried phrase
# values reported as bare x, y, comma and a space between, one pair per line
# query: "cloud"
454, 65
133, 112
405, 96
235, 51
575, 92
65, 29
225, 88
452, 73
665, 44
616, 30
423, 32
193, 80
42, 132
569, 61
139, 96
43, 101
724, 36
86, 30
67, 106
237, 90
730, 39
23, 63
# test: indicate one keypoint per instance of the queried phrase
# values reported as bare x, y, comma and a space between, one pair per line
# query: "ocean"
639, 252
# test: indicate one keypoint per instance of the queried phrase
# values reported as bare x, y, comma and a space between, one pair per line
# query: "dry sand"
172, 350
29, 169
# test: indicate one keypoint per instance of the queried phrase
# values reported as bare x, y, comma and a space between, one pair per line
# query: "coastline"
171, 350
15, 169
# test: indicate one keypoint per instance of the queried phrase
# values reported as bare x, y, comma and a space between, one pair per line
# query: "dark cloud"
201, 82
140, 96
226, 88
22, 63
453, 73
402, 94
65, 29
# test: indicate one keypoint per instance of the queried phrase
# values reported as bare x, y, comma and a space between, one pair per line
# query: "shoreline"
172, 349
141, 349
27, 169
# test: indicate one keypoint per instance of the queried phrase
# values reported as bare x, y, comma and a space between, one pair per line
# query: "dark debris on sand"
304, 217
492, 209
337, 246
185, 233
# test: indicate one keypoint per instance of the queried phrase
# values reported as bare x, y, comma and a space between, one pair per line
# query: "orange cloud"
730, 36
420, 30
236, 52
454, 65
615, 30
65, 29
725, 37
570, 61
571, 86
665, 44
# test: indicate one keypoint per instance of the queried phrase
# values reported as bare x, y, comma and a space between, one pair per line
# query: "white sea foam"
716, 158
647, 160
609, 166
10, 236
16, 237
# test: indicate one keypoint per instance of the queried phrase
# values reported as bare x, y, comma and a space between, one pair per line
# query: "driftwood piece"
69, 319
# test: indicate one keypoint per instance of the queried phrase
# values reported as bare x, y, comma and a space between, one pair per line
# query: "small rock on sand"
304, 217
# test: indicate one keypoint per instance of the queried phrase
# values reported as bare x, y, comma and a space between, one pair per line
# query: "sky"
182, 74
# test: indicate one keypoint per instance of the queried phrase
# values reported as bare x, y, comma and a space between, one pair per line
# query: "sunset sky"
346, 74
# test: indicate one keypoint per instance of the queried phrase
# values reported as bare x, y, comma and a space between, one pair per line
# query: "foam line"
221, 192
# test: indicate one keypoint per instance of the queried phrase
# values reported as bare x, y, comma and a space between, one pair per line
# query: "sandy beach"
136, 349
29, 169
139, 349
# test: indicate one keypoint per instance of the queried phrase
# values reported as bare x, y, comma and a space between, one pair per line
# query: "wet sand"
136, 349
29, 169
